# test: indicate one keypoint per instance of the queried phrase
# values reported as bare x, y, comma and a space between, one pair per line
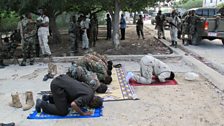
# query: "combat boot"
172, 43
15, 101
29, 101
2, 65
31, 61
23, 63
175, 44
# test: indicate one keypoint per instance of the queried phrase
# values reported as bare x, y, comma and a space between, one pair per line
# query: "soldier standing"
139, 27
160, 18
122, 26
174, 23
20, 25
84, 26
73, 35
43, 33
29, 34
3, 52
185, 29
94, 29
109, 23
194, 19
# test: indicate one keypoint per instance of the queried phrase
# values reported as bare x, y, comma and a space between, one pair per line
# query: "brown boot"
29, 101
15, 101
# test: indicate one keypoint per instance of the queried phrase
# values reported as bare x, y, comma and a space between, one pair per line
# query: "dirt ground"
128, 47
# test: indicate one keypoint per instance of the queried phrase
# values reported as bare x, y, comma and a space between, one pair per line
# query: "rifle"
171, 23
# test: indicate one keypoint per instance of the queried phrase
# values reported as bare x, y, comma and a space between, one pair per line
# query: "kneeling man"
149, 67
68, 92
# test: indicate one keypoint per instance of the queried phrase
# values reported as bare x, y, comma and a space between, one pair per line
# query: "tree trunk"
134, 18
54, 30
115, 18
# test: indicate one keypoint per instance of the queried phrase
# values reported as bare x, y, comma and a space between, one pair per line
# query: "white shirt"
43, 30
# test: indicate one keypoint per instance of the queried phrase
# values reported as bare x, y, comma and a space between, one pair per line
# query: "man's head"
107, 80
110, 62
193, 12
122, 15
159, 12
140, 16
73, 19
96, 102
172, 75
174, 13
102, 88
40, 11
28, 15
108, 15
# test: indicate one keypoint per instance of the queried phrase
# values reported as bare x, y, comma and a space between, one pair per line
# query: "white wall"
212, 3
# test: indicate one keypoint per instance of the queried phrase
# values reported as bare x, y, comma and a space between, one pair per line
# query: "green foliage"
187, 4
221, 5
9, 21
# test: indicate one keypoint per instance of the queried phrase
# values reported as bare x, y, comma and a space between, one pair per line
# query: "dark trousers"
122, 33
60, 106
37, 50
108, 33
140, 31
94, 37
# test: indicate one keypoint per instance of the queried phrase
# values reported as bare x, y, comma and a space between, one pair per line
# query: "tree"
53, 9
221, 5
115, 6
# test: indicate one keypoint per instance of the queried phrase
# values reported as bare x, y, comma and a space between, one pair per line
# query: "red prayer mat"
168, 82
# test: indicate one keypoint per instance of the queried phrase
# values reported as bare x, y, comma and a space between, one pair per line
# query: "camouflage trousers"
73, 41
29, 48
3, 55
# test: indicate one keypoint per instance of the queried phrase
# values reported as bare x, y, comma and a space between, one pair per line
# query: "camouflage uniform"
186, 29
96, 59
193, 28
73, 27
83, 75
29, 34
160, 18
93, 66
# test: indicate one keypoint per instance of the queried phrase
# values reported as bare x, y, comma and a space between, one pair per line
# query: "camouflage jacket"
83, 75
29, 29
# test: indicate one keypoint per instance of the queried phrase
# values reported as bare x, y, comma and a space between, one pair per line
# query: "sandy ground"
194, 103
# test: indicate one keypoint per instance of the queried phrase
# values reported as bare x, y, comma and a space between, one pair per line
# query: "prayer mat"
72, 114
168, 82
119, 89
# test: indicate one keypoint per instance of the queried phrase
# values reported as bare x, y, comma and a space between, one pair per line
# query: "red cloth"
157, 83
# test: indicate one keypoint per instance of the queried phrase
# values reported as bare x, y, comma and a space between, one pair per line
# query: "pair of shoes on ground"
17, 104
24, 63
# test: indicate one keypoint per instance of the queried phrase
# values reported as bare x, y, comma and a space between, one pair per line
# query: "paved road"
211, 51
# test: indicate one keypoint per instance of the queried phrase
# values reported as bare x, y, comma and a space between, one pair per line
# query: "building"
212, 3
